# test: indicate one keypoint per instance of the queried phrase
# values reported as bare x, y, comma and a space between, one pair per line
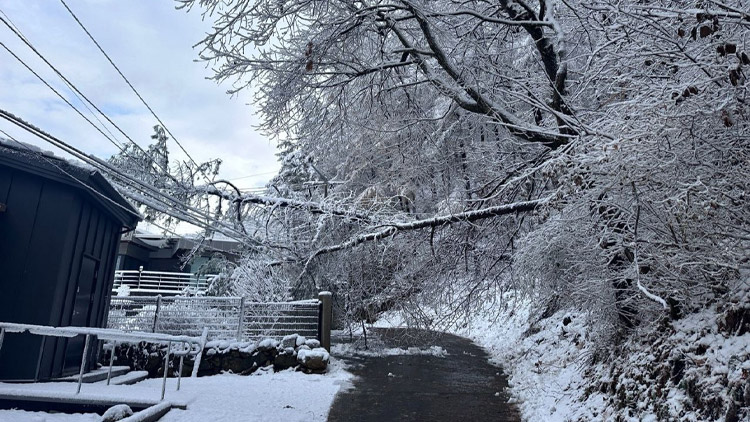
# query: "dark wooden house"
60, 226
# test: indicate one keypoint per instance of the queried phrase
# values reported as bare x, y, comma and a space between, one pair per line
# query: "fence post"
241, 319
156, 313
325, 319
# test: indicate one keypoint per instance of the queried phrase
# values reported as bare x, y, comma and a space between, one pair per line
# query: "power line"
96, 192
155, 194
175, 203
253, 175
23, 145
170, 207
62, 97
91, 37
74, 88
23, 37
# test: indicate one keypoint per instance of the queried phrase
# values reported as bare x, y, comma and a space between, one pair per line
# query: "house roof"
45, 164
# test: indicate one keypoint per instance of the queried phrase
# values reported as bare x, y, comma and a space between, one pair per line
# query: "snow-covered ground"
687, 370
265, 395
545, 368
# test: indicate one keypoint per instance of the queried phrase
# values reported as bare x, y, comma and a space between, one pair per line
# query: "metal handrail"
115, 336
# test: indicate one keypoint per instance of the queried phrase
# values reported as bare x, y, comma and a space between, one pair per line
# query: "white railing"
225, 317
176, 345
159, 282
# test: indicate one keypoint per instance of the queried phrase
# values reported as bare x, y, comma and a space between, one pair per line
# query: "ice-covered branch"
468, 216
309, 206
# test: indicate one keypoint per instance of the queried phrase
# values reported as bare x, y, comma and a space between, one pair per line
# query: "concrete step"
97, 374
126, 379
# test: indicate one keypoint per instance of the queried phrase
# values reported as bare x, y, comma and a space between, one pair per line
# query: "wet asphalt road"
459, 387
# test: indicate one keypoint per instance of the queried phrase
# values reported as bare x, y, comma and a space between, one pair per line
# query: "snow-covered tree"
587, 153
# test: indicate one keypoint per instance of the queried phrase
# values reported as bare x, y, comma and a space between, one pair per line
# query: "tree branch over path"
464, 217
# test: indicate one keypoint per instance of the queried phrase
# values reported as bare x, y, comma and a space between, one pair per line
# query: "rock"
315, 359
117, 413
237, 362
304, 347
289, 341
285, 360
312, 343
301, 340
264, 358
567, 320
266, 345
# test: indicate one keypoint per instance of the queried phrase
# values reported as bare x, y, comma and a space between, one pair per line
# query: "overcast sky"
152, 43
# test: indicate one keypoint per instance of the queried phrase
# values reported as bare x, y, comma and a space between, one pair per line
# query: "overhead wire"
62, 97
96, 192
50, 161
135, 91
20, 34
168, 204
23, 37
8, 23
253, 175
75, 89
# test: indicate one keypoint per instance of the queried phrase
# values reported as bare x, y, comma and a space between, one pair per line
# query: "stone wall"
243, 358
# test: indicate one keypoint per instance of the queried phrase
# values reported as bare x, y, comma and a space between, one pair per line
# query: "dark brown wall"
52, 238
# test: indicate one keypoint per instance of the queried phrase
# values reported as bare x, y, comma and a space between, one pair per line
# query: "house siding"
47, 233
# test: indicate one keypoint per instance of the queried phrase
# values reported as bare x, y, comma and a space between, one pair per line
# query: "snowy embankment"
281, 396
693, 369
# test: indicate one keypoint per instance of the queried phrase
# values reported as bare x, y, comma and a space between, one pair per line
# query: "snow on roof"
44, 155
31, 159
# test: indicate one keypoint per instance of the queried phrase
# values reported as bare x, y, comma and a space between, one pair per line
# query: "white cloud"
152, 43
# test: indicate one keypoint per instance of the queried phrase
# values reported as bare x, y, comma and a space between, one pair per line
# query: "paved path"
459, 387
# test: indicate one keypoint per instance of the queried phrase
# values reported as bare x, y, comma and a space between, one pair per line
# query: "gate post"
241, 319
325, 319
156, 313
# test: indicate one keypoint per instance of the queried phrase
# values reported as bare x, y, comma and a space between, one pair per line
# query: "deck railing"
160, 282
176, 345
